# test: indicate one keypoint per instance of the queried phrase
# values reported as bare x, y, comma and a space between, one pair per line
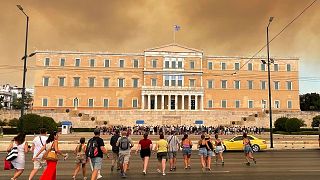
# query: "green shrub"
3, 122
280, 124
13, 122
315, 121
294, 124
32, 123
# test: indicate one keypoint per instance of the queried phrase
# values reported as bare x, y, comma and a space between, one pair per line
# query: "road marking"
190, 172
305, 170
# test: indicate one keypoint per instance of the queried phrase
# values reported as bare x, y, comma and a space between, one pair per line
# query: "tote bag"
50, 154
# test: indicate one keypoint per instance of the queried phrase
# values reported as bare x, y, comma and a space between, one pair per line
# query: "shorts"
210, 153
96, 163
247, 149
124, 157
202, 152
172, 154
186, 151
115, 155
219, 149
162, 155
145, 153
82, 161
38, 164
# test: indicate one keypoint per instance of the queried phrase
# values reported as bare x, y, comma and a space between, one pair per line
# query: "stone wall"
126, 117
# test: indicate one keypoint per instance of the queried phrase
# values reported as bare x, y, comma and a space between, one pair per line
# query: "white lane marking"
305, 170
190, 172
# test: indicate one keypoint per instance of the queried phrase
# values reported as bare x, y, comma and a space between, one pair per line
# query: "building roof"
174, 47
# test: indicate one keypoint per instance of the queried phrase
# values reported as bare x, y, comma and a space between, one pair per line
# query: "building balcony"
165, 89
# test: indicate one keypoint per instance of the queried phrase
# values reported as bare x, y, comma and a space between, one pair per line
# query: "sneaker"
189, 167
99, 176
123, 175
158, 170
144, 172
248, 163
222, 163
175, 168
163, 174
112, 168
171, 169
85, 178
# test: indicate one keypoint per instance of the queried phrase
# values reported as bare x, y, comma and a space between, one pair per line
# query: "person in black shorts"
145, 146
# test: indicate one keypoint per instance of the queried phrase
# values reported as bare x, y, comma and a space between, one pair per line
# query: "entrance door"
193, 104
152, 104
173, 104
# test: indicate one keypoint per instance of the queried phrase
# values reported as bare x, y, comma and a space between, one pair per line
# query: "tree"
280, 124
17, 102
13, 122
310, 102
315, 121
294, 124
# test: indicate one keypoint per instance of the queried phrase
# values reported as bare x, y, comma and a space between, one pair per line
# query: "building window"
223, 66
173, 80
277, 104
92, 62
106, 63
120, 103
105, 82
237, 103
224, 103
135, 83
210, 65
121, 82
61, 81
76, 81
289, 85
263, 67
90, 102
263, 104
179, 64
191, 64
276, 85
289, 104
153, 82
263, 85
135, 103
167, 64
250, 84
105, 103
210, 104
45, 102
250, 104
180, 81
75, 102
47, 62
77, 63
166, 80
250, 67
62, 61
173, 64
224, 84
192, 82
276, 67
121, 63
288, 67
210, 84
135, 63
45, 81
237, 66
237, 84
91, 81
154, 63
60, 102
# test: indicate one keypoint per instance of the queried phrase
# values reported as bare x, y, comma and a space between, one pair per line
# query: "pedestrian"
115, 150
81, 159
51, 145
202, 145
173, 147
247, 149
210, 153
219, 148
22, 148
95, 150
125, 144
145, 146
162, 152
37, 143
186, 145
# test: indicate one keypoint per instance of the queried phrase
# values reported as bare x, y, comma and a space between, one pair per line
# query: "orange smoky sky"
218, 27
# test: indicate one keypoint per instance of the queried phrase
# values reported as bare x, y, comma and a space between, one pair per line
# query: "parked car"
236, 143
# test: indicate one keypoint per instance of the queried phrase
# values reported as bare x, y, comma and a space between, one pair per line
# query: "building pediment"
175, 48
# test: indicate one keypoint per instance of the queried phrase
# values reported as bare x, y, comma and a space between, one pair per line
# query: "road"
277, 165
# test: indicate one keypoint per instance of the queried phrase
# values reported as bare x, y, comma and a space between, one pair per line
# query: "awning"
139, 121
66, 123
198, 122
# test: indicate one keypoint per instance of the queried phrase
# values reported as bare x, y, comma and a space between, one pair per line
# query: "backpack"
124, 143
113, 143
92, 148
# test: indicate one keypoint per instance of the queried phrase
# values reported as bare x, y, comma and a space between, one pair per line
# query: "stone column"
182, 102
142, 102
176, 102
155, 102
149, 101
189, 102
202, 103
196, 102
169, 102
162, 102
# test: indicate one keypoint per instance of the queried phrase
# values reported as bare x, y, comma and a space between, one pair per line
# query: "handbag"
7, 165
13, 154
51, 154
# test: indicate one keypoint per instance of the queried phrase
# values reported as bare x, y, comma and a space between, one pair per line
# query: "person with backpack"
115, 150
173, 147
81, 159
95, 150
125, 144
37, 143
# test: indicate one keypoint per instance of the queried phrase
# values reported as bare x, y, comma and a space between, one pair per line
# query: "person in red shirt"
145, 146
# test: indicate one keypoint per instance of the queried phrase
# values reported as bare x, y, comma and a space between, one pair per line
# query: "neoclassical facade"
167, 78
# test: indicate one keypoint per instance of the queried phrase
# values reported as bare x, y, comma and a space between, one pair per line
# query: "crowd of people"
46, 151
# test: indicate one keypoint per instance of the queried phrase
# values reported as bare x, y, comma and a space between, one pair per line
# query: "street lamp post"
269, 85
24, 63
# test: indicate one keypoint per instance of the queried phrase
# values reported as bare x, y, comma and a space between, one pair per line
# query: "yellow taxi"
235, 143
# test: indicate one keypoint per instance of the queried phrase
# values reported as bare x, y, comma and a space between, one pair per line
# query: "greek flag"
177, 27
